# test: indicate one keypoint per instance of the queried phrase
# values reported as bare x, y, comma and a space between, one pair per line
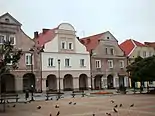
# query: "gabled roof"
7, 14
129, 45
151, 44
91, 42
46, 37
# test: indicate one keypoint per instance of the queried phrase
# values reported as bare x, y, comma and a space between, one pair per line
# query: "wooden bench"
78, 93
51, 94
7, 97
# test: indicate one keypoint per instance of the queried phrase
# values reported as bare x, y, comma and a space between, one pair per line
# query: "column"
76, 83
104, 82
38, 84
116, 82
89, 82
18, 83
44, 84
125, 81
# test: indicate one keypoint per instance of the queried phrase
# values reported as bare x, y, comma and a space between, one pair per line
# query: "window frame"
11, 60
71, 45
112, 53
106, 50
29, 59
112, 63
82, 64
14, 39
98, 63
121, 64
145, 54
49, 62
4, 38
64, 45
69, 62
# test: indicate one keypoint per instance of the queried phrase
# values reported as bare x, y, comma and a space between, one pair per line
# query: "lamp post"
91, 69
59, 76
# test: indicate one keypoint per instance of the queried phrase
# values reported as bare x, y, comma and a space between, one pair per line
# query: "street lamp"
59, 76
32, 89
91, 53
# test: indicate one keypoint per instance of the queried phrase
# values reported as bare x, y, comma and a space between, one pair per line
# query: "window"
12, 40
82, 63
2, 38
63, 45
28, 59
150, 53
50, 62
67, 62
144, 53
111, 51
138, 54
7, 20
98, 63
110, 63
107, 37
70, 45
121, 63
106, 50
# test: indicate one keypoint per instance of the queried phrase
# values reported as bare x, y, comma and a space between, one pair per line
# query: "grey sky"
123, 18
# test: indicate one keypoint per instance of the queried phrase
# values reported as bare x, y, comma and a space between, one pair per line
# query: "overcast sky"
123, 18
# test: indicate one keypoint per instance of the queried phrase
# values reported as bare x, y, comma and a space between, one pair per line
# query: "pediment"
8, 19
107, 36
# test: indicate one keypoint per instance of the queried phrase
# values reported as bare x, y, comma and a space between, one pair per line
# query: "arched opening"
28, 81
97, 82
110, 82
83, 82
7, 83
51, 82
68, 82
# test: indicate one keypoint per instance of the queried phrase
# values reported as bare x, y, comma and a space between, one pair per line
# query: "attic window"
107, 37
7, 20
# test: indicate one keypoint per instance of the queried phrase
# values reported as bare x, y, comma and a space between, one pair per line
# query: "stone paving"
144, 105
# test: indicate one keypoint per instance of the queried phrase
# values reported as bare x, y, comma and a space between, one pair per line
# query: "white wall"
75, 61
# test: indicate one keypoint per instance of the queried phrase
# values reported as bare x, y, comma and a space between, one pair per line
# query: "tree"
8, 54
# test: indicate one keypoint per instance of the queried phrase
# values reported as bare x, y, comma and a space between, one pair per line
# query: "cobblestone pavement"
144, 105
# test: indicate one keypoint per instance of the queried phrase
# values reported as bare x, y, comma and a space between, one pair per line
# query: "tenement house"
108, 63
65, 61
26, 75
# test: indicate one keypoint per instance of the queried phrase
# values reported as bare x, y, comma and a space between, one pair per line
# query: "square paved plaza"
144, 105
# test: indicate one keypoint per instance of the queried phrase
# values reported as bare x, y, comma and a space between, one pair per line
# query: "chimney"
36, 35
45, 30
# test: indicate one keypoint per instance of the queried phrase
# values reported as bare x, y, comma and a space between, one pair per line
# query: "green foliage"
142, 69
9, 54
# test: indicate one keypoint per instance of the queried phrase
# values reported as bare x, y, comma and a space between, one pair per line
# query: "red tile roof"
128, 45
91, 42
46, 37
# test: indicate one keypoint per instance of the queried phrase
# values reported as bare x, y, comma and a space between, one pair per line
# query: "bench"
51, 94
78, 93
6, 97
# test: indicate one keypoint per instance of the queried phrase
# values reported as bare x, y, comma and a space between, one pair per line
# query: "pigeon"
14, 106
39, 107
70, 102
115, 110
58, 113
93, 114
51, 98
115, 106
74, 104
50, 114
57, 106
120, 105
132, 105
112, 101
8, 106
108, 114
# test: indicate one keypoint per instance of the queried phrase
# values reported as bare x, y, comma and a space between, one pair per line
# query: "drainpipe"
91, 76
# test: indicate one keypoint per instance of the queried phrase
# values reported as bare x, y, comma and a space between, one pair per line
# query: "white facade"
73, 56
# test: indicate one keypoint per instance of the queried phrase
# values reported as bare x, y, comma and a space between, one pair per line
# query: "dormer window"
63, 45
70, 45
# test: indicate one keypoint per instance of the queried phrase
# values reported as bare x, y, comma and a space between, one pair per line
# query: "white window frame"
145, 54
29, 62
50, 62
64, 44
121, 63
71, 45
98, 63
14, 39
82, 62
113, 51
110, 65
4, 38
69, 63
150, 53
